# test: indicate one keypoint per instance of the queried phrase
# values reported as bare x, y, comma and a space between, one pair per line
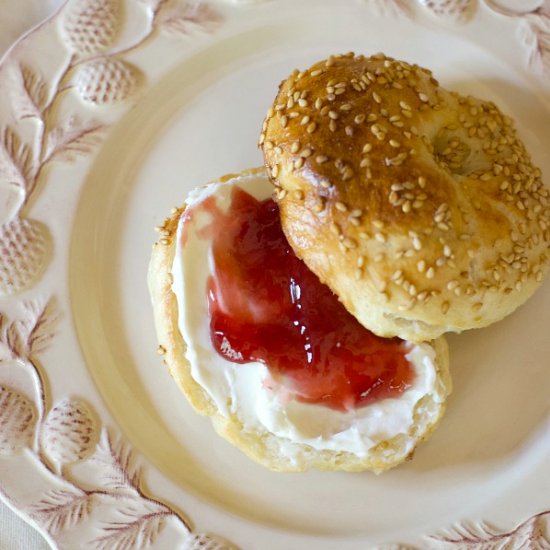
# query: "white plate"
115, 109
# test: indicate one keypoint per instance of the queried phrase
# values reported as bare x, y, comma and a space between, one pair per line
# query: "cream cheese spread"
247, 390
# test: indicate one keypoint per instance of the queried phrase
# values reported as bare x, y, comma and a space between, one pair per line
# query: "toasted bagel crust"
419, 207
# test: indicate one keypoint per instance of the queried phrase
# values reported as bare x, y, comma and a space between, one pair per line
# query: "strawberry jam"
266, 305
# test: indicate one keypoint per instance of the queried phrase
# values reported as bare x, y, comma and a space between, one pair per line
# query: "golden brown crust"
419, 207
264, 447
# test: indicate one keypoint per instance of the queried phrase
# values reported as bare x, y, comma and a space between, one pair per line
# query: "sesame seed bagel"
419, 207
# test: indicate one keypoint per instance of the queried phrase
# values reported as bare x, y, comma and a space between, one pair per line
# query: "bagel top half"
419, 207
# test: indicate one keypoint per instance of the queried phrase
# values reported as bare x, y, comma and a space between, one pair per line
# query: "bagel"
243, 400
420, 208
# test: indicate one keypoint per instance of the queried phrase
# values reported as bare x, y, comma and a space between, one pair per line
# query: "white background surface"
15, 19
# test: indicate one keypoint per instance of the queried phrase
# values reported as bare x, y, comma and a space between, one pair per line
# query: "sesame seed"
423, 97
333, 115
380, 237
445, 307
311, 128
364, 163
349, 243
340, 206
320, 159
359, 119
325, 184
367, 148
275, 171
303, 102
423, 296
348, 173
398, 274
394, 143
305, 120
430, 273
319, 206
316, 72
334, 229
376, 97
298, 163
381, 285
306, 153
421, 266
295, 147
284, 121
332, 126
318, 103
345, 107
395, 161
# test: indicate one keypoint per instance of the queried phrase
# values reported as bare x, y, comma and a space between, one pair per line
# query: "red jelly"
267, 306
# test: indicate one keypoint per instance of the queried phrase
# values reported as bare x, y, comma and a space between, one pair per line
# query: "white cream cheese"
246, 390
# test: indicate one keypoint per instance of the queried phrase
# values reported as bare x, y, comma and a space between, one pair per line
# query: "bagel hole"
459, 153
452, 151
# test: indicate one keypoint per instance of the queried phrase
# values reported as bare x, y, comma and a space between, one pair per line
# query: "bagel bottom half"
253, 438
